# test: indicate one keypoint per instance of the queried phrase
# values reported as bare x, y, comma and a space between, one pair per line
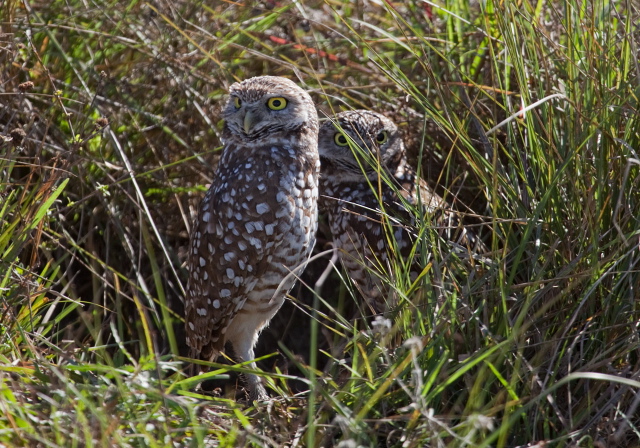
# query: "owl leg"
243, 343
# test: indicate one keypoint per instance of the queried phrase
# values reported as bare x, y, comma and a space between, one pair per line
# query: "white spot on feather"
262, 208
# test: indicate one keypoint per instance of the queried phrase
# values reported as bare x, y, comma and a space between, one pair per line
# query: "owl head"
267, 106
352, 144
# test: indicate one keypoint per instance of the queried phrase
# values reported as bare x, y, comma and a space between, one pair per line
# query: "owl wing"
229, 248
448, 220
415, 191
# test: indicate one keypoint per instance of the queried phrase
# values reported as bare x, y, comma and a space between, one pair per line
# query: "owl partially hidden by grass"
367, 189
257, 222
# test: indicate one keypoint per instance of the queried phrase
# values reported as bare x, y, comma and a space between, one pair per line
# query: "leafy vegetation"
523, 114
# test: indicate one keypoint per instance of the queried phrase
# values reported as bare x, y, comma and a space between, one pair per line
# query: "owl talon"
259, 394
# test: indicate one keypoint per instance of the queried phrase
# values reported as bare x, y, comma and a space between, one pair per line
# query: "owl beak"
250, 120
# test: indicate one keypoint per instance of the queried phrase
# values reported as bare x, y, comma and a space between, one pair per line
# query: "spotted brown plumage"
366, 189
256, 224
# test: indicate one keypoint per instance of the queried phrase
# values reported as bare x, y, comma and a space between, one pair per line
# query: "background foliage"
523, 114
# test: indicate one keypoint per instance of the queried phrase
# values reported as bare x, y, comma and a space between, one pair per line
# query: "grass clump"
524, 115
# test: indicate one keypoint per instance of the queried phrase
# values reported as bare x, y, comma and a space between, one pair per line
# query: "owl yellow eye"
341, 139
277, 103
382, 137
237, 102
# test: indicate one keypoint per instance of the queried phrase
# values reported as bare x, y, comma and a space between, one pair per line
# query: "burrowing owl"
256, 224
358, 149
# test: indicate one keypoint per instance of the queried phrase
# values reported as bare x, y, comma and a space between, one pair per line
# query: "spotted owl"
368, 216
256, 224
